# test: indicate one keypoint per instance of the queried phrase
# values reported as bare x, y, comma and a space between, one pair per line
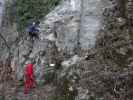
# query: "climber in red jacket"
29, 81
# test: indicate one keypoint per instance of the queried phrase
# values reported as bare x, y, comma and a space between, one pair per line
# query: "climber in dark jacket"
33, 30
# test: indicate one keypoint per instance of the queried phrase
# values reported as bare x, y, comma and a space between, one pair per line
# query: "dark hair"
37, 22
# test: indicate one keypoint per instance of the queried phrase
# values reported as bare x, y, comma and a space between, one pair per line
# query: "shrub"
2, 98
64, 97
14, 98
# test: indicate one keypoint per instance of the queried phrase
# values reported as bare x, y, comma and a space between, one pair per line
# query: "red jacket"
29, 71
29, 78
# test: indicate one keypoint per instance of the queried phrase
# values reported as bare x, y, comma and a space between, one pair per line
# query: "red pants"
29, 84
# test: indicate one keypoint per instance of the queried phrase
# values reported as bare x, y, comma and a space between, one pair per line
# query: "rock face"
130, 14
8, 31
71, 25
98, 26
2, 4
91, 17
75, 23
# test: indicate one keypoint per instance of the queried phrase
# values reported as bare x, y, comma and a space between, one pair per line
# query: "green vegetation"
24, 11
2, 98
65, 97
21, 83
49, 77
14, 98
92, 98
63, 91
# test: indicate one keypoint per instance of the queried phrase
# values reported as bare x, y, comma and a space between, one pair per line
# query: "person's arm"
37, 30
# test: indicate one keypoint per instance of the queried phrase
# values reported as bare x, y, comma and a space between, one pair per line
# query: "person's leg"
32, 82
35, 35
31, 34
26, 87
27, 84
